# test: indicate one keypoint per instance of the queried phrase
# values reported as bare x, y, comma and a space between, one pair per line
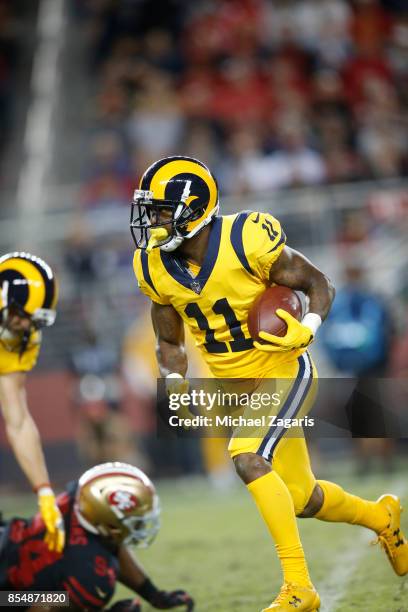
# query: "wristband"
43, 485
313, 321
45, 491
147, 590
174, 375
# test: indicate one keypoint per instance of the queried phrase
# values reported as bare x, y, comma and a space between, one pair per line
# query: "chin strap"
173, 244
159, 234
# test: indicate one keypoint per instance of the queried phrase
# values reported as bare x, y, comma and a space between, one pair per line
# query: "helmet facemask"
142, 530
42, 317
170, 216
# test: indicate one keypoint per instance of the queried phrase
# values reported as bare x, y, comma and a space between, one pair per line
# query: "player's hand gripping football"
52, 517
165, 600
297, 336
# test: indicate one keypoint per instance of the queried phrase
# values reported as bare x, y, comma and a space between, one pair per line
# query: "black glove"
164, 600
126, 605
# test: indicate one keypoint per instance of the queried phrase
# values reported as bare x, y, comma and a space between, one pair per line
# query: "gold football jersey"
214, 300
11, 358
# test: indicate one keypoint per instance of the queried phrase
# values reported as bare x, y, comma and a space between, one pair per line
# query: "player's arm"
294, 270
171, 355
21, 430
132, 575
168, 327
169, 330
25, 441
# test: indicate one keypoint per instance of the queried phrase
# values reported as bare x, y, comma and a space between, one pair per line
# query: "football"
262, 317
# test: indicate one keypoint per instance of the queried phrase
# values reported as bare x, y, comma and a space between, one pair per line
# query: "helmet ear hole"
197, 214
186, 217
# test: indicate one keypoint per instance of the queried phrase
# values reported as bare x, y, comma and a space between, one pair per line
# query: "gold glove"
297, 336
52, 517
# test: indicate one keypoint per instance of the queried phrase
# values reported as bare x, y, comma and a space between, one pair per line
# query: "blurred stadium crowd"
271, 93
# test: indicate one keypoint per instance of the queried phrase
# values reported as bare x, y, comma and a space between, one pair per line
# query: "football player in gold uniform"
206, 270
28, 298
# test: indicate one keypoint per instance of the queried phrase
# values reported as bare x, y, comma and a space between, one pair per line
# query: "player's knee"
313, 504
300, 497
250, 466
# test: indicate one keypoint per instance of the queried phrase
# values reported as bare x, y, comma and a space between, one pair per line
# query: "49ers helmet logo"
123, 500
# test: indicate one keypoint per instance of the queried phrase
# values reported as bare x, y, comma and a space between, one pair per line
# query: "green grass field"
215, 545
